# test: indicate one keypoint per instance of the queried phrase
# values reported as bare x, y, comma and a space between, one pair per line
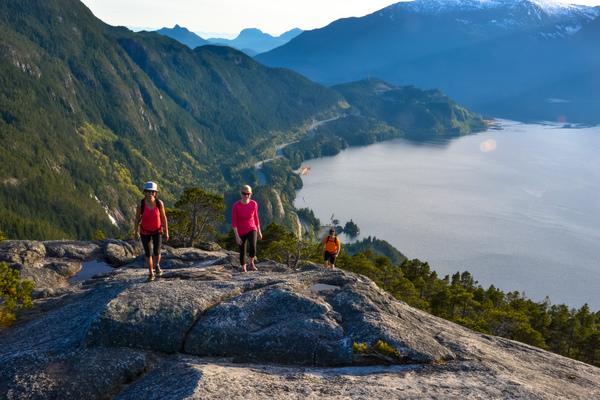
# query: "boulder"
274, 324
369, 315
209, 246
119, 252
23, 252
65, 268
45, 280
192, 257
71, 249
192, 254
155, 316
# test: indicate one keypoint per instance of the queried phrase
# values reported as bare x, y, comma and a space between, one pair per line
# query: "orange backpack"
331, 245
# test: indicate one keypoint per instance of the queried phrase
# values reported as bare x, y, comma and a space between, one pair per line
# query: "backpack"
331, 245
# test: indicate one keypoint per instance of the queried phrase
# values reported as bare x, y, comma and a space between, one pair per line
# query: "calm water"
519, 208
89, 269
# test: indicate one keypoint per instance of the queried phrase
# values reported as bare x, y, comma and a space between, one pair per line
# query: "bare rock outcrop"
77, 250
251, 327
48, 265
205, 330
120, 252
155, 316
22, 252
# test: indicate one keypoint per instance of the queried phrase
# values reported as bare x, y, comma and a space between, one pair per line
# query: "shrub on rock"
14, 292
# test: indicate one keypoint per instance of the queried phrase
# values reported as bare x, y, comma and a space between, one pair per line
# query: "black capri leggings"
248, 240
156, 243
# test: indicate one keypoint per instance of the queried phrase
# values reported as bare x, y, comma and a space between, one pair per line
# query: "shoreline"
489, 277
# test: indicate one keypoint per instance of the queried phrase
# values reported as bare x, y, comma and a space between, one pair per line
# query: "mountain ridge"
183, 35
485, 57
253, 41
89, 111
109, 94
437, 6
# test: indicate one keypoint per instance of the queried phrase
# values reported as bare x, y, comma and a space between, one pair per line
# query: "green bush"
15, 294
281, 245
99, 235
195, 216
380, 349
387, 349
360, 348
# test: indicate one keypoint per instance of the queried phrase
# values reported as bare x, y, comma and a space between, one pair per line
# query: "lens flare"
488, 145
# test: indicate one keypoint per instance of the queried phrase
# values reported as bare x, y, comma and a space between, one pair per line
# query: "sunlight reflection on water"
519, 207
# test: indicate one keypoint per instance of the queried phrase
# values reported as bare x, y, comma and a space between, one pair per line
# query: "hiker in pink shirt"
246, 226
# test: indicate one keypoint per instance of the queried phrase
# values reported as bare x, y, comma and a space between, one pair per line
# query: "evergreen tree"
14, 293
351, 229
195, 217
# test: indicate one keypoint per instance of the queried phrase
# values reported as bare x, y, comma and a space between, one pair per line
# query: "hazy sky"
231, 16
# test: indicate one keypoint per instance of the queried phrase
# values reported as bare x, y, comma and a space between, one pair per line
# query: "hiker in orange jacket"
331, 247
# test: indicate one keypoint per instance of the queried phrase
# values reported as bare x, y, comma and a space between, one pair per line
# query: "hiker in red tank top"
151, 222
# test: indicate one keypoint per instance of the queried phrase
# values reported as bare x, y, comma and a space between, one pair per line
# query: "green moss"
380, 348
385, 349
360, 348
99, 235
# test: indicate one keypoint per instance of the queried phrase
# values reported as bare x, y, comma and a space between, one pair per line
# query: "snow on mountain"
553, 18
549, 7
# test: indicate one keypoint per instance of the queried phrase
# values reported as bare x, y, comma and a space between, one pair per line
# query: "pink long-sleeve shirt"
244, 217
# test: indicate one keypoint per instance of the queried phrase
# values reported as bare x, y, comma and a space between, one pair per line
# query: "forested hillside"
89, 111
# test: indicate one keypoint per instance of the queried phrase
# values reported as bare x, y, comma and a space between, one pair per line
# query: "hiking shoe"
151, 277
159, 271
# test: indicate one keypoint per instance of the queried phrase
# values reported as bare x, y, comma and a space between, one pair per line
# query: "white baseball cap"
151, 186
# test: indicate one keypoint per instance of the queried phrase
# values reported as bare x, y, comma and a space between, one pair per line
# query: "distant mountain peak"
253, 34
500, 57
183, 35
292, 31
253, 41
251, 30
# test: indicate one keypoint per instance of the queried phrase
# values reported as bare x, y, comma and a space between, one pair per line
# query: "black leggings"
250, 239
327, 256
156, 243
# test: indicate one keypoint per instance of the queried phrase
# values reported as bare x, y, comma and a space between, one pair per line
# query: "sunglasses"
246, 194
149, 191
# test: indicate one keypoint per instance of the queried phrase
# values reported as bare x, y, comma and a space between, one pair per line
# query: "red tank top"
151, 222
